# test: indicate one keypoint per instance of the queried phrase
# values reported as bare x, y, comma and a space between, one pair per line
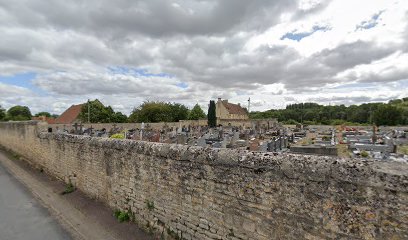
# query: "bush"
364, 154
122, 216
69, 188
118, 136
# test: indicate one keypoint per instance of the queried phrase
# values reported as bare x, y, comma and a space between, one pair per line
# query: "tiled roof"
70, 115
234, 108
49, 120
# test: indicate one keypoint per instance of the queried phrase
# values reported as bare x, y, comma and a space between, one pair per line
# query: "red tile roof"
70, 115
49, 120
234, 108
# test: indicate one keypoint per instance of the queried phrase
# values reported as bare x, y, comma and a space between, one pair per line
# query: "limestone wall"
225, 194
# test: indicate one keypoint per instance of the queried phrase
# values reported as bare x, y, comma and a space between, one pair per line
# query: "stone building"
226, 112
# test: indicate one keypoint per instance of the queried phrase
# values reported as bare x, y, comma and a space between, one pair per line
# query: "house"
70, 115
225, 111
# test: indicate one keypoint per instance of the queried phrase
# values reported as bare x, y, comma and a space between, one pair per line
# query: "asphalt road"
22, 216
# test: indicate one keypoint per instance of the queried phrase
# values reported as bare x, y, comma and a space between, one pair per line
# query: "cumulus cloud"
275, 52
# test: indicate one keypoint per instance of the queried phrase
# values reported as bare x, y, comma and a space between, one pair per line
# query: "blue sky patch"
370, 23
182, 85
136, 72
20, 79
297, 36
24, 80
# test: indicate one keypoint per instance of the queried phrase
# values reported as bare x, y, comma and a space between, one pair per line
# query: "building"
70, 115
49, 120
227, 112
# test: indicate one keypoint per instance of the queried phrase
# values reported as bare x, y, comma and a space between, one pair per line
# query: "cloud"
125, 52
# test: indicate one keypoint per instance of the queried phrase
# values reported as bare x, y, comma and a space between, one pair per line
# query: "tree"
47, 114
212, 118
159, 112
178, 112
387, 115
2, 113
196, 113
120, 117
19, 113
99, 113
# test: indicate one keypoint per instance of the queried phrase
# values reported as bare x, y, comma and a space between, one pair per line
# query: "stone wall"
202, 193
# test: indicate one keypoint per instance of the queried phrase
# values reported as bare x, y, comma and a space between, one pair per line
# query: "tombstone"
254, 145
81, 129
181, 139
75, 128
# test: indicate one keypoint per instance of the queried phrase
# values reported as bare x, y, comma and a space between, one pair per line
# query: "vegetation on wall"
393, 113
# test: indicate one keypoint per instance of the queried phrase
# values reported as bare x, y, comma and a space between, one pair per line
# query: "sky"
276, 52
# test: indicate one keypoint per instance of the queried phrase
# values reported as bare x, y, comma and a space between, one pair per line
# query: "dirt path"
82, 217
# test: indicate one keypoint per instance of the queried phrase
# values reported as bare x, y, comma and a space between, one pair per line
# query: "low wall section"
202, 193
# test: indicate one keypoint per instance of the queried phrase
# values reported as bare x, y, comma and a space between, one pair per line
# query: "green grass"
69, 188
122, 216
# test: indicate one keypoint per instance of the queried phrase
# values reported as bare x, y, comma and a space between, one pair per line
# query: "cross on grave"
90, 130
80, 128
76, 128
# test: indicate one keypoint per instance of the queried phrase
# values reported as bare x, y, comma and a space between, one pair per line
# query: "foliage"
2, 113
47, 114
122, 216
118, 136
149, 205
393, 113
100, 113
196, 113
387, 115
364, 154
211, 116
159, 112
403, 149
18, 113
69, 188
119, 117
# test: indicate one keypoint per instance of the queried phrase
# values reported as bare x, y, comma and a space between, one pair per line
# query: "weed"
122, 216
150, 205
69, 188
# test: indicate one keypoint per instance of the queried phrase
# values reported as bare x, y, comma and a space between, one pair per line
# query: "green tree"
120, 117
2, 113
211, 116
178, 112
19, 113
159, 112
99, 113
47, 114
387, 115
196, 113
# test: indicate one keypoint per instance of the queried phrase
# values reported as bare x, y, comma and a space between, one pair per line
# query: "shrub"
122, 216
364, 154
69, 188
118, 136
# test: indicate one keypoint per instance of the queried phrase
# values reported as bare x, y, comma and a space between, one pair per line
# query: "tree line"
99, 113
149, 111
395, 112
